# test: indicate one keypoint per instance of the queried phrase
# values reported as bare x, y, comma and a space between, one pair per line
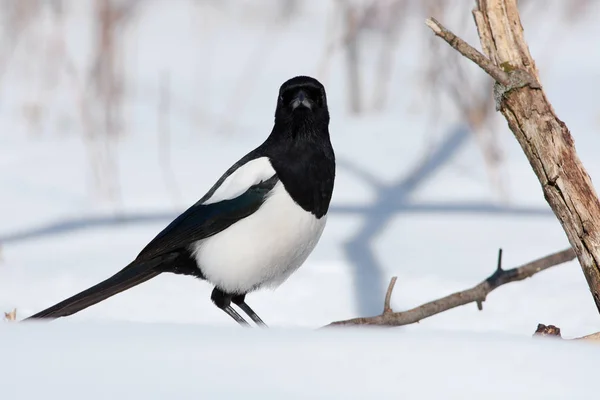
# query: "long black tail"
135, 273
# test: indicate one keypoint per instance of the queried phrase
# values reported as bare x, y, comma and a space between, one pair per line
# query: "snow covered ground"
434, 222
165, 361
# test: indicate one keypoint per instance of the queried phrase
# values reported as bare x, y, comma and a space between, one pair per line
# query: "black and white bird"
256, 225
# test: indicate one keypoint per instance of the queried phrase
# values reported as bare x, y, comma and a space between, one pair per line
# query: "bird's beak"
301, 99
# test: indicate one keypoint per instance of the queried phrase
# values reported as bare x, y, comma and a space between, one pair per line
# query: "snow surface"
165, 361
433, 222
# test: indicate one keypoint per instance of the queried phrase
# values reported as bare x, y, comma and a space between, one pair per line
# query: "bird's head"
302, 100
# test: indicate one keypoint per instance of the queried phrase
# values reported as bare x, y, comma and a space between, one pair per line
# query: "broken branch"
468, 51
476, 294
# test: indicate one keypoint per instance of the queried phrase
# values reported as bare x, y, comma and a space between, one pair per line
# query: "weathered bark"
545, 139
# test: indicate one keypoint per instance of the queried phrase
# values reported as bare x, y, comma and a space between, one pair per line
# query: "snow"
434, 222
160, 361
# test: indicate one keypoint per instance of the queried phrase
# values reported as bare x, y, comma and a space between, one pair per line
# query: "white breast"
263, 249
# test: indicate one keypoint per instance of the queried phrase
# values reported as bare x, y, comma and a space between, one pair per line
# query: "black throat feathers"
304, 160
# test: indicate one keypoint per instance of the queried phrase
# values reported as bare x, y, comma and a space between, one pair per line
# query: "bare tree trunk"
545, 139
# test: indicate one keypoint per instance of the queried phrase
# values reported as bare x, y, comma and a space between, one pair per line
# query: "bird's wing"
239, 193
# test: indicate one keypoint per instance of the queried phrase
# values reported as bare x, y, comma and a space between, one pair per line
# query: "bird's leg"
240, 301
223, 301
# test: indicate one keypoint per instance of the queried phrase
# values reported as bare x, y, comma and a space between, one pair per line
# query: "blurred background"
116, 115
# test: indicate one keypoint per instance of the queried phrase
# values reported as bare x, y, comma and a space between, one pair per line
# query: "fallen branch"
476, 294
544, 138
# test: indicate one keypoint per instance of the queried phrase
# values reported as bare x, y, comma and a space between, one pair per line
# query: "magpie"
255, 226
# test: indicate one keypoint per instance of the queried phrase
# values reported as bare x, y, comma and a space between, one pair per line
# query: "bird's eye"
317, 97
320, 100
287, 97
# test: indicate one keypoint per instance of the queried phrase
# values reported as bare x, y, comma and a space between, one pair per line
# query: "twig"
476, 294
499, 264
388, 296
468, 51
499, 270
510, 78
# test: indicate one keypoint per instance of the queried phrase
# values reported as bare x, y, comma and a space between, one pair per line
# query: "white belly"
263, 249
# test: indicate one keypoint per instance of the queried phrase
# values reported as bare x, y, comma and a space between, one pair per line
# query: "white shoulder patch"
251, 173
